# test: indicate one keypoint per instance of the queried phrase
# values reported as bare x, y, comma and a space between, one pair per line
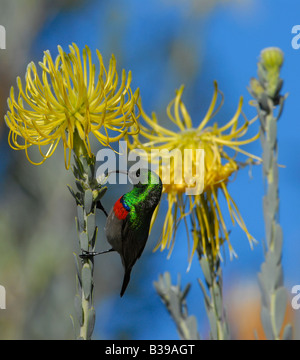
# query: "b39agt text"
170, 349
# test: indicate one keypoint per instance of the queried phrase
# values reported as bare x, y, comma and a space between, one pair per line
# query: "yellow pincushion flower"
68, 99
204, 209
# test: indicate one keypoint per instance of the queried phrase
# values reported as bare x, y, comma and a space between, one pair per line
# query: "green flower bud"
272, 58
269, 69
256, 88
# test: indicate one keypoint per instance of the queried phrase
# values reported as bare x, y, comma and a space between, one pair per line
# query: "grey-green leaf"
101, 193
84, 241
280, 308
267, 156
88, 201
78, 309
72, 192
174, 304
206, 297
167, 278
186, 291
79, 185
73, 325
90, 225
278, 243
77, 268
218, 302
267, 325
80, 218
213, 325
264, 294
206, 271
288, 332
272, 131
91, 322
93, 242
191, 324
86, 276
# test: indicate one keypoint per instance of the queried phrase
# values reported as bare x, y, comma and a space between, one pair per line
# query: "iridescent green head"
146, 192
144, 178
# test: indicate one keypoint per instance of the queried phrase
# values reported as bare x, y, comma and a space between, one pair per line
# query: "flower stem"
266, 90
211, 267
84, 328
175, 301
89, 192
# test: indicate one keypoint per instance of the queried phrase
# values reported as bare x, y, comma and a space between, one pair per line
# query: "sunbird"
128, 223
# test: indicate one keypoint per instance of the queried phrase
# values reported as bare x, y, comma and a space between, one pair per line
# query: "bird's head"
143, 178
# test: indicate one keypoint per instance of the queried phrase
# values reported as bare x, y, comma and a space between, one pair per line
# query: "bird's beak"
117, 172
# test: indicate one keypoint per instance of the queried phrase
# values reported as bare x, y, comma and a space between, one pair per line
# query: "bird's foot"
86, 254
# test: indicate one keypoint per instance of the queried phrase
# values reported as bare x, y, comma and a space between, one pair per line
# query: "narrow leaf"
288, 333
86, 276
88, 201
280, 308
78, 309
206, 271
191, 324
90, 226
91, 322
80, 218
77, 269
267, 325
84, 241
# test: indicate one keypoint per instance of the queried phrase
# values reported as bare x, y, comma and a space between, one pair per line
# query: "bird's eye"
138, 173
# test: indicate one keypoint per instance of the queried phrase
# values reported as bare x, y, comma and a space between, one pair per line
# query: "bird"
128, 223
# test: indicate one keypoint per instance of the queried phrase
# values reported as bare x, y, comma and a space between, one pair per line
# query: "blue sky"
222, 46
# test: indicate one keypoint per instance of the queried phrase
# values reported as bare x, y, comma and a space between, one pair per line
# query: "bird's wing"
134, 238
113, 231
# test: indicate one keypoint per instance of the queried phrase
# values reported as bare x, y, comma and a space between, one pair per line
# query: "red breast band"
119, 210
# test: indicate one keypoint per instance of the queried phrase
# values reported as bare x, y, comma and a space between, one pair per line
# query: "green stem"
175, 301
85, 309
89, 192
214, 303
266, 90
221, 335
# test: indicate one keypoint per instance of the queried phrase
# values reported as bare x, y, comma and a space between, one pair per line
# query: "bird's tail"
125, 281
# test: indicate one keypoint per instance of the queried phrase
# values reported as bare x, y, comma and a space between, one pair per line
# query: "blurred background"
165, 43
